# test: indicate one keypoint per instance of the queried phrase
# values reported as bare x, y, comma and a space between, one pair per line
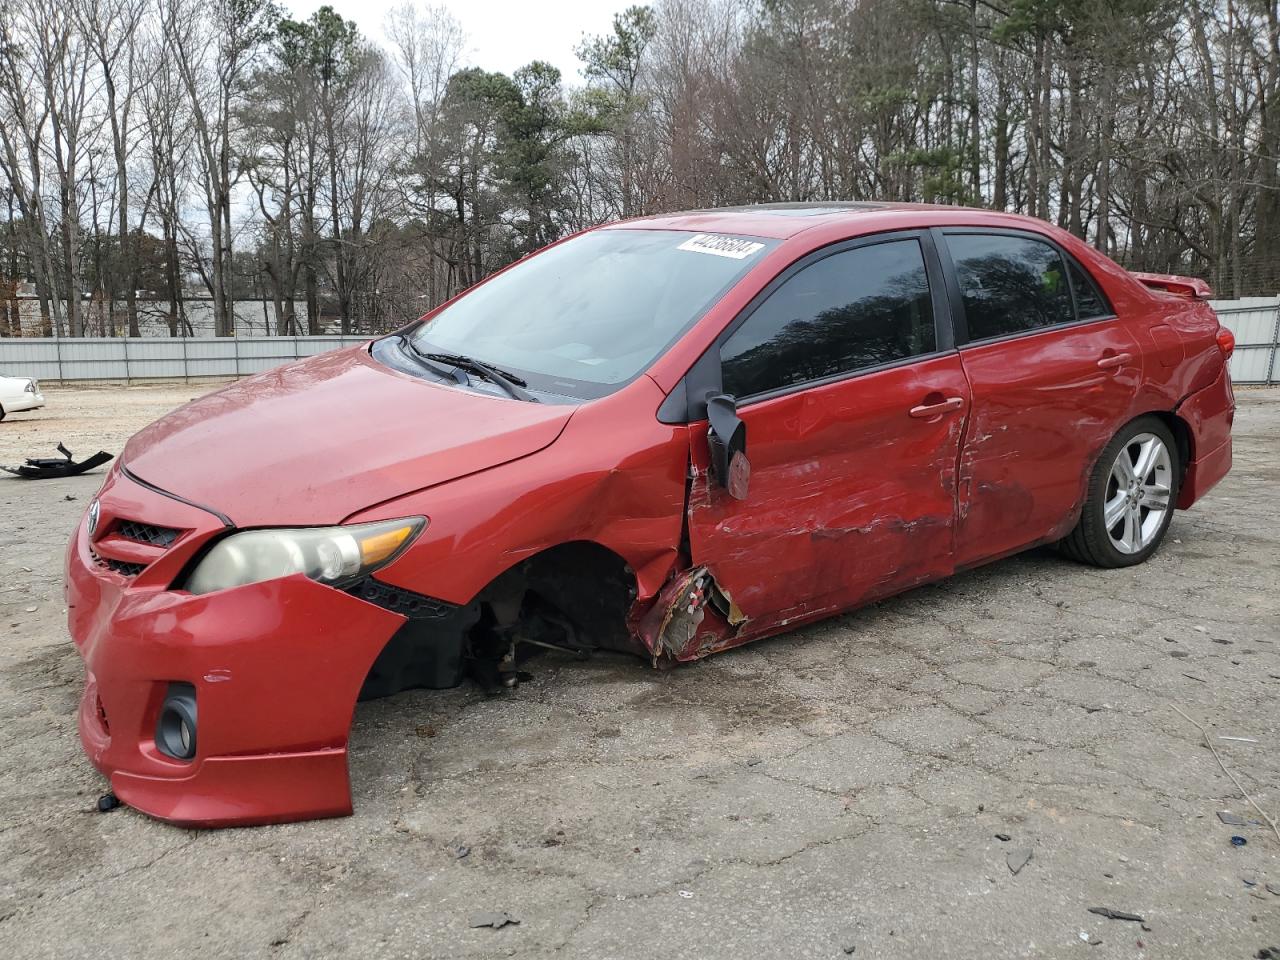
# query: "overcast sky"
501, 34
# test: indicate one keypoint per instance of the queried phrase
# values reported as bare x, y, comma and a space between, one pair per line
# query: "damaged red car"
668, 436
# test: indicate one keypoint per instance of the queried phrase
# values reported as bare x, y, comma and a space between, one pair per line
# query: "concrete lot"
840, 787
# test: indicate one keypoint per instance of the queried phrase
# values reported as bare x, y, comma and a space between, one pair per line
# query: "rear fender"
1209, 414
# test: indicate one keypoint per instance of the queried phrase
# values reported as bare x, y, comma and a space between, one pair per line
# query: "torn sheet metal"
691, 618
46, 468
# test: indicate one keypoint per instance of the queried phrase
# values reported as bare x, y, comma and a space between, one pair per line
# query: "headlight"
331, 555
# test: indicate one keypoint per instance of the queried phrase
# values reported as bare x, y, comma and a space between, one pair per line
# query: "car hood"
315, 441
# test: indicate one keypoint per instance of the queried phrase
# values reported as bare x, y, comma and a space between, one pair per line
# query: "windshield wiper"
452, 372
508, 381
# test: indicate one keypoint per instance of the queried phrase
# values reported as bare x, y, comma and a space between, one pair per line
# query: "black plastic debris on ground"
497, 919
1116, 914
1017, 859
108, 802
1235, 820
46, 468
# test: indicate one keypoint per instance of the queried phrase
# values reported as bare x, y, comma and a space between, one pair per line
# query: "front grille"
146, 533
118, 566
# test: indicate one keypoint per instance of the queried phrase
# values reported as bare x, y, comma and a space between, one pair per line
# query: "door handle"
927, 411
1115, 360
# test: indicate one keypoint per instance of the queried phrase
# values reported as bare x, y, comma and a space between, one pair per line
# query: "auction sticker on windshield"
733, 247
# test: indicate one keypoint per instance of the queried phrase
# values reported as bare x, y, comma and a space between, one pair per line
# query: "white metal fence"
1255, 322
118, 358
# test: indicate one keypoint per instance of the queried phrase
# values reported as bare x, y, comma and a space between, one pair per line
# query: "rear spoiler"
1192, 288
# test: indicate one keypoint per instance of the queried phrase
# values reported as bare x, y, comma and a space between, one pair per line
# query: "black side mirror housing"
727, 442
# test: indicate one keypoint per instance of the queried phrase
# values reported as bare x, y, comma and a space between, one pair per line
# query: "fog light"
176, 728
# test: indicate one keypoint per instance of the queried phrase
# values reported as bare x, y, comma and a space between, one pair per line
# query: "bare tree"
111, 29
169, 144
143, 142
214, 46
22, 134
49, 97
427, 49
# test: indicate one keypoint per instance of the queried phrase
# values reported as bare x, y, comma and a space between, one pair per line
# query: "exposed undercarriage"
575, 598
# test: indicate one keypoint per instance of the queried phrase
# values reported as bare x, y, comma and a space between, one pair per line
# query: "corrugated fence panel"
29, 358
1255, 323
1250, 326
114, 358
272, 348
1250, 365
81, 359
150, 359
214, 357
310, 346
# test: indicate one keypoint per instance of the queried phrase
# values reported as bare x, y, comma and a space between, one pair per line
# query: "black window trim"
960, 320
687, 401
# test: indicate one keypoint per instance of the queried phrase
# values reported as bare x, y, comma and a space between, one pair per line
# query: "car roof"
781, 221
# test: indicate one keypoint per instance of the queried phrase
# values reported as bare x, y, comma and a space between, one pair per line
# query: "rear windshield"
586, 316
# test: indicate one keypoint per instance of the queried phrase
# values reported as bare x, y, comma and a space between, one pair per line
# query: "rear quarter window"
1090, 302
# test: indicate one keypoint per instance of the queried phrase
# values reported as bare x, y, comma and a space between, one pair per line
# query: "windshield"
590, 314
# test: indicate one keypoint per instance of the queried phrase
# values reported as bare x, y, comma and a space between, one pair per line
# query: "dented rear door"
852, 487
1054, 374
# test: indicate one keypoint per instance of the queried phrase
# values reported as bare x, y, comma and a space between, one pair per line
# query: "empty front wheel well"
589, 584
577, 594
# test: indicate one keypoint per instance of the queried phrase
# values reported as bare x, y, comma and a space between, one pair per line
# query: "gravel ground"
844, 786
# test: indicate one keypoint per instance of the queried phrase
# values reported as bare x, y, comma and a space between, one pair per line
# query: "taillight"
1226, 342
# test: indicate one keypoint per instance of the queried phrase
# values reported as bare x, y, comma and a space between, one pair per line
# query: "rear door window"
1010, 284
852, 310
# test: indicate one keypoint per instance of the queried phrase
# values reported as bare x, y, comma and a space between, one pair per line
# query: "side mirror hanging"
727, 442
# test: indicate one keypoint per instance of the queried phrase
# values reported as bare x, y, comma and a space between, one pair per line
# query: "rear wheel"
1132, 490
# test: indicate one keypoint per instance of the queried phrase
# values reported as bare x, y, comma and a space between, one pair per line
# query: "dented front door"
851, 497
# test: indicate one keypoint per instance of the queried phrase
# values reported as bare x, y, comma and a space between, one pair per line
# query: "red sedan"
669, 436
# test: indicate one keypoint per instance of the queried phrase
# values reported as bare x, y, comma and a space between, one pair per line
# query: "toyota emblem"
94, 510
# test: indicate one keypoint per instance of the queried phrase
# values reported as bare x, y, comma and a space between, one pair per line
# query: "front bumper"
277, 667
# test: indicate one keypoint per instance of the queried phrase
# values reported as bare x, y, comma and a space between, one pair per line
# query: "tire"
1117, 492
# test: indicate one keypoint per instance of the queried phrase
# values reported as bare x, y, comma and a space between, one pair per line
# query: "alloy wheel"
1138, 492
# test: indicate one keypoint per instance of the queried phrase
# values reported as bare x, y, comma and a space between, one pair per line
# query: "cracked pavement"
840, 786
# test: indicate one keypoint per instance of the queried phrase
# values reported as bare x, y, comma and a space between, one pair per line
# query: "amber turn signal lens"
378, 547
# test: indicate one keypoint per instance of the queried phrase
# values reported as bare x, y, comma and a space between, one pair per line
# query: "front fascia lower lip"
277, 667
